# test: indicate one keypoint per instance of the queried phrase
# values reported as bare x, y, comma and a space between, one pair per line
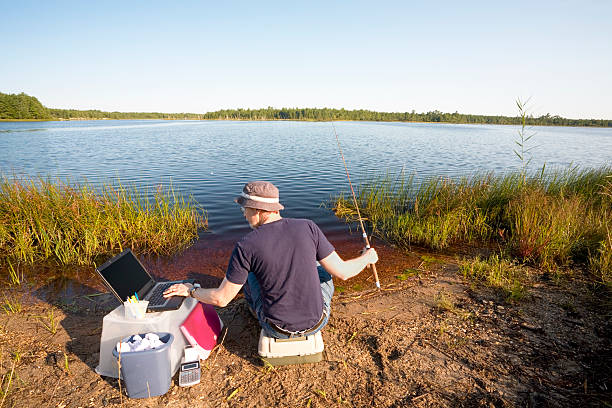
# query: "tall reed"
601, 259
43, 220
549, 218
435, 212
547, 230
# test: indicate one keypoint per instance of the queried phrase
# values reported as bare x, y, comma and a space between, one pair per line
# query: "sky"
473, 57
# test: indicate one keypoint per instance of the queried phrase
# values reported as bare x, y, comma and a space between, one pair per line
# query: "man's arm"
347, 269
220, 296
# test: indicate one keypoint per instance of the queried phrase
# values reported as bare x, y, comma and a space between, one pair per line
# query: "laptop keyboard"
157, 296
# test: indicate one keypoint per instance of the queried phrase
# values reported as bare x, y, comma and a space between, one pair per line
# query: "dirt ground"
429, 340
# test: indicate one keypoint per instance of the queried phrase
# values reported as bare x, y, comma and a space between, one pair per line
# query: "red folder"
202, 328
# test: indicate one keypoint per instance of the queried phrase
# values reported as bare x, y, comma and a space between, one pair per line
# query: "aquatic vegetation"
545, 229
50, 221
550, 218
601, 260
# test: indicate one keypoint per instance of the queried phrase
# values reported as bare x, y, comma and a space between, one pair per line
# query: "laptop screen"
126, 275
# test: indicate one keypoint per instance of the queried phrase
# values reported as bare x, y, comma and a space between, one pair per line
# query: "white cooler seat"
298, 350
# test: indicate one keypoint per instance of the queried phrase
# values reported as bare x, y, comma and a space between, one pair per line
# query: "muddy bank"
428, 340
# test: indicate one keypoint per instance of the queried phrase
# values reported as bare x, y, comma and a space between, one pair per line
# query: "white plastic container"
298, 350
137, 310
116, 326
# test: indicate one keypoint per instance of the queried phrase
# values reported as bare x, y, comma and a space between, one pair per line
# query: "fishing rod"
365, 236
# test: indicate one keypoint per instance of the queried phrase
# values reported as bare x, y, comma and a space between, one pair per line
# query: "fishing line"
364, 235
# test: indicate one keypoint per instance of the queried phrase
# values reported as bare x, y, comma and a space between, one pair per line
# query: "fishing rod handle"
373, 266
375, 275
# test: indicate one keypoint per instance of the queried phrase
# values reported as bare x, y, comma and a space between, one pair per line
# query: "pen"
136, 294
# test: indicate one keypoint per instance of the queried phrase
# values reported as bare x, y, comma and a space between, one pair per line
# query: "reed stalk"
524, 136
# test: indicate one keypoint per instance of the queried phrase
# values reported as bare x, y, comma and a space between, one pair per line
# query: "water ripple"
211, 160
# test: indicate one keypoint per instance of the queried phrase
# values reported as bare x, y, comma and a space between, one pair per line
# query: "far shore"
292, 120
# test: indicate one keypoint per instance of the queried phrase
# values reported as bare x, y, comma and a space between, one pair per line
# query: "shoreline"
206, 261
296, 120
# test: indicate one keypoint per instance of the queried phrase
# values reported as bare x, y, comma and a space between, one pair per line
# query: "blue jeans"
252, 294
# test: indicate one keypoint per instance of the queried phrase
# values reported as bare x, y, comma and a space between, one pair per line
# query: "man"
277, 261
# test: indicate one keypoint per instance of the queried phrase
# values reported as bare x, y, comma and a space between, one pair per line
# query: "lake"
212, 160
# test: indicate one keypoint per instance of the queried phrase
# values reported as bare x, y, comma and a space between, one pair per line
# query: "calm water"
213, 159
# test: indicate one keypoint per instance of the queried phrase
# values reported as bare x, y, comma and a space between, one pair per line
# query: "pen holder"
136, 310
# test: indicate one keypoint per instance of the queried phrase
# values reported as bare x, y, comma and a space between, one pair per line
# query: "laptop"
125, 275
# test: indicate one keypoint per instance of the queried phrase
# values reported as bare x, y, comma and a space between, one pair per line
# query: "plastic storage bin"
147, 373
116, 326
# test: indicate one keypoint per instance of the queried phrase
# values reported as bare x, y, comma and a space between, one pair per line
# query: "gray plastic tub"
147, 373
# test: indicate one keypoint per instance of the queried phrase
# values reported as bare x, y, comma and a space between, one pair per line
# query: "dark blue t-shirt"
283, 256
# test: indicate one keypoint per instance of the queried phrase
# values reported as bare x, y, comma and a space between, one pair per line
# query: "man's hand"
218, 296
179, 289
347, 269
371, 255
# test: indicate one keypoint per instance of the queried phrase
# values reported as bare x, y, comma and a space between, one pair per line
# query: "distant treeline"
22, 106
98, 114
325, 114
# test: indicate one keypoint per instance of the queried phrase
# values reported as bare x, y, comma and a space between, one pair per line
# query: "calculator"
190, 374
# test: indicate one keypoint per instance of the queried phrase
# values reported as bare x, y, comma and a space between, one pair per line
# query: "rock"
53, 358
531, 327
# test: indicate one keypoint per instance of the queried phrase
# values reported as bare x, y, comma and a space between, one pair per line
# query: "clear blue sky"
471, 57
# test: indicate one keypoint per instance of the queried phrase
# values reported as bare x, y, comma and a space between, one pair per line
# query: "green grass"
11, 304
7, 381
49, 321
444, 302
43, 221
358, 287
548, 219
407, 274
497, 272
601, 261
15, 275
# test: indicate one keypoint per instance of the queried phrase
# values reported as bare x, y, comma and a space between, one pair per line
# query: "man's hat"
261, 195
